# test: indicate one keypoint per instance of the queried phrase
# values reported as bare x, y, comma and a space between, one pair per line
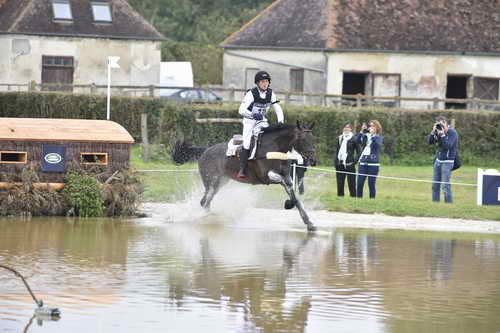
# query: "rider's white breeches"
250, 128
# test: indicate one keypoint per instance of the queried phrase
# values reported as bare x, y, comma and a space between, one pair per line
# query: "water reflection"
208, 275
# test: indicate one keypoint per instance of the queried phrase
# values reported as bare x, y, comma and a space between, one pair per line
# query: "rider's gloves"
257, 116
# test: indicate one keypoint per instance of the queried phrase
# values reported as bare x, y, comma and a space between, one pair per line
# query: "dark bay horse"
217, 169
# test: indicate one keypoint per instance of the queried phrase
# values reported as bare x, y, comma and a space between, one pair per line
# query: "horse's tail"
184, 151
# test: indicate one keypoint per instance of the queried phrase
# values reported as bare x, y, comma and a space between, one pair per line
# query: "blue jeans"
442, 173
368, 170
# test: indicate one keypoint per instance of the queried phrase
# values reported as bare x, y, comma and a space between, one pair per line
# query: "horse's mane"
277, 127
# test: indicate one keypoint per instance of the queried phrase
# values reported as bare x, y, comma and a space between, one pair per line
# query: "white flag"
113, 62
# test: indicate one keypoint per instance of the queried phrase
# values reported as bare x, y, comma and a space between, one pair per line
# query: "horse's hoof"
289, 204
311, 228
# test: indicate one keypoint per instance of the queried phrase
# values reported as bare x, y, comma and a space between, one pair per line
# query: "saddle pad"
235, 143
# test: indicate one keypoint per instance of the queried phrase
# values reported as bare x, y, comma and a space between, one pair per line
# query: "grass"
394, 197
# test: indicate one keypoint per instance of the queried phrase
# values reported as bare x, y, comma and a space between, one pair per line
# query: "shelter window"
62, 10
94, 158
101, 12
18, 157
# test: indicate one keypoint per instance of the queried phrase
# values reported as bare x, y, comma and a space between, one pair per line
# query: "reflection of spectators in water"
442, 259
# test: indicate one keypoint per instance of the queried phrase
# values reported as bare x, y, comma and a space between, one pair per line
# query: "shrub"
84, 194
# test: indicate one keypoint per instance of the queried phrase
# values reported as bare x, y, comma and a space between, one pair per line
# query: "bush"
84, 195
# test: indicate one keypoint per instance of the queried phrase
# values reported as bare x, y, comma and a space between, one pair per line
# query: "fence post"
93, 88
231, 95
287, 98
358, 100
151, 91
32, 86
323, 100
144, 136
435, 103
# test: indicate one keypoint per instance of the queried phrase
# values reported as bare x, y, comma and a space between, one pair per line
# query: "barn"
52, 146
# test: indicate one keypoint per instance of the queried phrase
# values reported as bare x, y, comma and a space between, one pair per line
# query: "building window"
13, 157
486, 88
297, 79
57, 73
62, 10
94, 158
101, 12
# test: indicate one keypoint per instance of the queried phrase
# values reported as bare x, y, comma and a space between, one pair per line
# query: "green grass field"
394, 197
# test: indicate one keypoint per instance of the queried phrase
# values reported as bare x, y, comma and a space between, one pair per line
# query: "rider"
254, 107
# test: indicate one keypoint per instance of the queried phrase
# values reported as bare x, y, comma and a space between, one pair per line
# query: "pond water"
182, 271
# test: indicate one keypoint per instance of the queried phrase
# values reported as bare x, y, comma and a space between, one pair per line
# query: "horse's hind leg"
212, 186
286, 182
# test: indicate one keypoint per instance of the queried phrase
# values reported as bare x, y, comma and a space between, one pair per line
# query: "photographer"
346, 157
371, 141
446, 139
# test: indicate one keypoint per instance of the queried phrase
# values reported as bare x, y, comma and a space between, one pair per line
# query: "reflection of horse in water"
216, 168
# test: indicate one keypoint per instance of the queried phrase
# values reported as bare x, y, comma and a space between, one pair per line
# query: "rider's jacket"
260, 104
256, 101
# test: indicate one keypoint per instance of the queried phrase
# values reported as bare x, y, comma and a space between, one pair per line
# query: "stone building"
410, 48
68, 41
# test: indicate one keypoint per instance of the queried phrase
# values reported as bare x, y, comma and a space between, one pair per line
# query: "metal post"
294, 175
108, 109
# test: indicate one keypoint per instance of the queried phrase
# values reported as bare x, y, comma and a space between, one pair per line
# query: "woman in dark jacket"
371, 142
346, 156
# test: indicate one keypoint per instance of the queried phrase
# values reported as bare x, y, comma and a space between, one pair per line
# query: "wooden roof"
75, 130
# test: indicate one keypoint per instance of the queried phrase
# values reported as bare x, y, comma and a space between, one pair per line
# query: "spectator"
446, 139
371, 140
346, 157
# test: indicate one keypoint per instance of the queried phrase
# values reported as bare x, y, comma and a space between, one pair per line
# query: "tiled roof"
389, 25
35, 17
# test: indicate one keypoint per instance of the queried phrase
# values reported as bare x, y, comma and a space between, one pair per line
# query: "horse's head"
305, 142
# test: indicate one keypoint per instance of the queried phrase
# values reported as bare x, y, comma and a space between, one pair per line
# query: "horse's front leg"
286, 182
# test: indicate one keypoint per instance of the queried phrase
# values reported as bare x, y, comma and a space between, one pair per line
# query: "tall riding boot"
242, 174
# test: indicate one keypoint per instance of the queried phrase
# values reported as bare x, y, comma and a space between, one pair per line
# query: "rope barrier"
333, 171
386, 177
170, 170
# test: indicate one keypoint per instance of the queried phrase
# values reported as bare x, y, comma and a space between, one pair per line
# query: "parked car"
194, 95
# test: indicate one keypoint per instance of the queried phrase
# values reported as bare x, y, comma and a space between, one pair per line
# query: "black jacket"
353, 151
447, 145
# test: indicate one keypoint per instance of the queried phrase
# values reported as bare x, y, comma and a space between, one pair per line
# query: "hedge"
405, 131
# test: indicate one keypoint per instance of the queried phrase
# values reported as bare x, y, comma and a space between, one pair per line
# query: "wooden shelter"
50, 145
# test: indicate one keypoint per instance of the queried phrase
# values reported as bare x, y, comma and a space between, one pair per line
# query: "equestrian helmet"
262, 75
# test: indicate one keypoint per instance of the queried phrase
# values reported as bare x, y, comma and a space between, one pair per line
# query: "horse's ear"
298, 125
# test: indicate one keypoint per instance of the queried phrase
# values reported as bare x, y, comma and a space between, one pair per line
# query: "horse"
216, 169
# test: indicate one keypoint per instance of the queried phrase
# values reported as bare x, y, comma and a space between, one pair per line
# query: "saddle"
235, 145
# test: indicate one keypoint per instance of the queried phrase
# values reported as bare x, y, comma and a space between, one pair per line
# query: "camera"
439, 127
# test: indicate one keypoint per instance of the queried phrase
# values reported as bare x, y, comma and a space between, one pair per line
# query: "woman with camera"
371, 142
446, 139
346, 157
